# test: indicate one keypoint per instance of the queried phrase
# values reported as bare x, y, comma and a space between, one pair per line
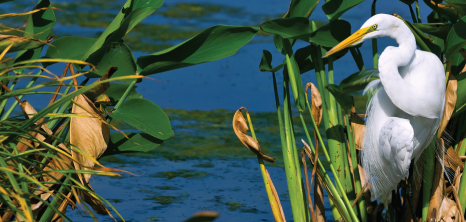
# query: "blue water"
228, 84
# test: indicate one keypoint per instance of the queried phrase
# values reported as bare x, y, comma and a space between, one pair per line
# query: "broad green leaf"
145, 116
69, 47
116, 91
437, 29
461, 94
130, 15
4, 1
335, 8
139, 142
456, 38
346, 101
295, 76
212, 44
457, 64
331, 34
301, 8
358, 81
445, 11
118, 55
39, 26
304, 59
20, 43
459, 5
287, 27
266, 63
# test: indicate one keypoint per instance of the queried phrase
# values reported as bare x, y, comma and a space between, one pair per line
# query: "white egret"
405, 112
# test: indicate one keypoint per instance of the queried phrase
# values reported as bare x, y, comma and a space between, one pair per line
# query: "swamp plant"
49, 154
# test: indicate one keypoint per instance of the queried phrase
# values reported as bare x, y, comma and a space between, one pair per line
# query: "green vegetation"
188, 174
164, 200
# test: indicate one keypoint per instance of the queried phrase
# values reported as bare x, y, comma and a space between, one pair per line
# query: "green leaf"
346, 101
139, 142
446, 11
116, 91
460, 94
331, 34
437, 29
212, 44
118, 55
304, 59
146, 116
335, 8
69, 47
295, 77
266, 63
457, 64
287, 27
456, 38
20, 43
358, 81
301, 8
39, 26
459, 5
133, 12
4, 1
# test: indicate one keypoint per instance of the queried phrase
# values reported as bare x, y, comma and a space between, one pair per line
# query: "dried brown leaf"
450, 103
316, 102
448, 209
90, 135
241, 128
452, 160
358, 126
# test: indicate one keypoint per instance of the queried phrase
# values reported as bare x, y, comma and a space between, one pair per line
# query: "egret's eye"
374, 27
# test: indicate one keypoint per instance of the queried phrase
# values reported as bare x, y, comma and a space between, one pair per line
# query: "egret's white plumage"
405, 111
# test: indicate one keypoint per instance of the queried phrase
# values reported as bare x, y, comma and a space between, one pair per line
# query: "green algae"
232, 206
146, 191
153, 218
188, 174
196, 10
166, 188
164, 200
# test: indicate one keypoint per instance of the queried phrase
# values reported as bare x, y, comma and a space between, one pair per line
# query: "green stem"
354, 161
357, 58
51, 210
429, 167
292, 176
418, 12
412, 14
122, 99
345, 205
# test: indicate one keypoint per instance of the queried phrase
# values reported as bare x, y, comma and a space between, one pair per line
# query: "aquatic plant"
434, 191
48, 155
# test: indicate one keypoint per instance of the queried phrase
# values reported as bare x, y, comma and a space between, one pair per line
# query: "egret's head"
377, 25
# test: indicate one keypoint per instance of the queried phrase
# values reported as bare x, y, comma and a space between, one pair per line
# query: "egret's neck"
406, 44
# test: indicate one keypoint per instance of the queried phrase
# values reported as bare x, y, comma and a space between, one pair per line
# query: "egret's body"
405, 111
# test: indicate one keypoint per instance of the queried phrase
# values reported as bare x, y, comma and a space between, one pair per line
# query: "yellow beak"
354, 38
